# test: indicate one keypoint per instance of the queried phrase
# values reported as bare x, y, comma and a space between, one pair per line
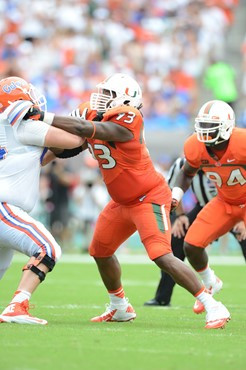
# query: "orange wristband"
94, 130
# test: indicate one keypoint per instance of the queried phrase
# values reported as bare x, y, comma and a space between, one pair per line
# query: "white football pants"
20, 232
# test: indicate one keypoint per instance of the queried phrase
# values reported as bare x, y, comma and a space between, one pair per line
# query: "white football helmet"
214, 122
118, 89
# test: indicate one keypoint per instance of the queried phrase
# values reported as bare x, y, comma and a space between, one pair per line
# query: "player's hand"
240, 231
16, 111
174, 205
180, 226
34, 113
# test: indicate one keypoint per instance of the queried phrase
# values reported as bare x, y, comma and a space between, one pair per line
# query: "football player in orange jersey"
219, 149
113, 125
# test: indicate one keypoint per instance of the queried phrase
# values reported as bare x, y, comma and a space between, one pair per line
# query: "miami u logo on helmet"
127, 93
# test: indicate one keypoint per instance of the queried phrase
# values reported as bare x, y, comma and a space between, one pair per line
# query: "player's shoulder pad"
238, 143
193, 149
118, 110
15, 112
84, 105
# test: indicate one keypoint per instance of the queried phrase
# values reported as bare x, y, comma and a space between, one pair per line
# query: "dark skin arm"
185, 176
106, 131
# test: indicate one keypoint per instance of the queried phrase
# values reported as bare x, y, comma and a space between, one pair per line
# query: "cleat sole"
219, 324
22, 320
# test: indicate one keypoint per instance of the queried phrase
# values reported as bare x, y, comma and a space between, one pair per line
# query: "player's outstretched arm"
53, 153
107, 131
48, 157
60, 139
39, 134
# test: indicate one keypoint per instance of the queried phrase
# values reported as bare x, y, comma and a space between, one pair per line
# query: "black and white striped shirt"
202, 187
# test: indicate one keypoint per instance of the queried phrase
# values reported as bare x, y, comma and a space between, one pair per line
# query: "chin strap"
219, 141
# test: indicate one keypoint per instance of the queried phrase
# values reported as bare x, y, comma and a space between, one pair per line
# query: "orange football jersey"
229, 172
127, 168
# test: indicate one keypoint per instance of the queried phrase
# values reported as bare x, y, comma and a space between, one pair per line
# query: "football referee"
204, 190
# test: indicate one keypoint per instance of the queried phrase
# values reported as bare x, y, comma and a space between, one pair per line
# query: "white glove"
75, 113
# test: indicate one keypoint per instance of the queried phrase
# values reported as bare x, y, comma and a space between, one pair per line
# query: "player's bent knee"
36, 260
166, 262
189, 249
58, 253
100, 251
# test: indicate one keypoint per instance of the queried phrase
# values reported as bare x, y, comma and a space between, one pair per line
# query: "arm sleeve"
32, 132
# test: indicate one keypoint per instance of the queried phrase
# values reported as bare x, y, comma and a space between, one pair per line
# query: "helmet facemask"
103, 100
35, 96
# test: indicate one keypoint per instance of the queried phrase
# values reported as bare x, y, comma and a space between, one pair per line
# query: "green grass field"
160, 338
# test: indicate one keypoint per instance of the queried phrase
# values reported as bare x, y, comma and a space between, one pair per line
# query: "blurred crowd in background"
67, 46
173, 48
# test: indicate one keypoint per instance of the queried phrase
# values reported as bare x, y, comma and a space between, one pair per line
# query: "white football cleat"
213, 289
216, 287
217, 317
18, 313
116, 314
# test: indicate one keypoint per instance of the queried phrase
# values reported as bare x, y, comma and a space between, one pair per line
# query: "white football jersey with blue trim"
19, 166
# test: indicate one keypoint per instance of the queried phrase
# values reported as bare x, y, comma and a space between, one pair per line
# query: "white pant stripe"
164, 217
27, 227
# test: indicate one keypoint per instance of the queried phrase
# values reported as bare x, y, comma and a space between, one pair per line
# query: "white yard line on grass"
136, 259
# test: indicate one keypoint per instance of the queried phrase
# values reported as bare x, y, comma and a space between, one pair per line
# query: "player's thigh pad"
21, 232
111, 230
213, 221
153, 224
